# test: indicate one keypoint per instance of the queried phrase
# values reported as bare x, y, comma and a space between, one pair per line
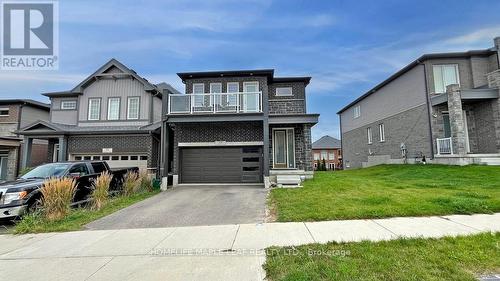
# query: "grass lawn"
77, 217
391, 190
460, 258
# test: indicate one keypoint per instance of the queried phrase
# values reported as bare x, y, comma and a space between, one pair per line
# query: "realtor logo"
29, 35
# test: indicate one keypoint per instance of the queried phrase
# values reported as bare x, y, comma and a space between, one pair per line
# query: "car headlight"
12, 196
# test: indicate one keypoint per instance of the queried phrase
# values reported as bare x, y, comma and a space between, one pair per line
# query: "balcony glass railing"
246, 102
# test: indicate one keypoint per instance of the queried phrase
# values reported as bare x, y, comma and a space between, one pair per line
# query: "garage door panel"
221, 165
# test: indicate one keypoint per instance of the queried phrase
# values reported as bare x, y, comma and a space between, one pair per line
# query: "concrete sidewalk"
223, 252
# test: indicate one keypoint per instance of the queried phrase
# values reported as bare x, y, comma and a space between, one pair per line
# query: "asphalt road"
191, 206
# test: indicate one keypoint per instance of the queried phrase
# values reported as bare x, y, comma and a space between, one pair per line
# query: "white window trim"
3, 109
211, 96
109, 107
357, 111
457, 74
321, 155
331, 155
245, 97
294, 154
369, 135
284, 95
381, 131
138, 108
68, 101
98, 109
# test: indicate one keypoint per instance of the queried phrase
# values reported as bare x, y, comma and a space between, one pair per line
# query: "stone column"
12, 163
27, 145
456, 119
63, 146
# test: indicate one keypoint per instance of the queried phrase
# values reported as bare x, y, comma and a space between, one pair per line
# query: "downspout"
429, 109
341, 142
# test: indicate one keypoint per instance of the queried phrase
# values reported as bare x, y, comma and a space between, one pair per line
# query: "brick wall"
337, 156
210, 132
13, 114
286, 107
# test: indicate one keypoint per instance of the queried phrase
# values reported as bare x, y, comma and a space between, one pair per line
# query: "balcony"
243, 102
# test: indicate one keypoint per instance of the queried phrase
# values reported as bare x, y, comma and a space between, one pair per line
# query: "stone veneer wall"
211, 132
295, 104
410, 127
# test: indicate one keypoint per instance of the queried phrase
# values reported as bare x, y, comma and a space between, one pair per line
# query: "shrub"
131, 183
145, 182
100, 190
57, 196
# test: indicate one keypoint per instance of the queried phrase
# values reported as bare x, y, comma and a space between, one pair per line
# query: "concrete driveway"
191, 206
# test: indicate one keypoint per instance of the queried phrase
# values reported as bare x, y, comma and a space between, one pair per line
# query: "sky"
347, 47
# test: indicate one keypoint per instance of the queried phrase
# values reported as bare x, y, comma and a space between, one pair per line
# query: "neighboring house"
328, 149
14, 114
113, 115
441, 106
238, 127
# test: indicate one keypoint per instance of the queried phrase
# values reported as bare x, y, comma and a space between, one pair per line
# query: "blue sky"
346, 46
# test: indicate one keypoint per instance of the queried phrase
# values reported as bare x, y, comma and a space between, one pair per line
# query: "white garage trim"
220, 143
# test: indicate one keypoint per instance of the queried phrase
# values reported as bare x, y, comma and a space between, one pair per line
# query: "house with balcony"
238, 127
444, 107
112, 115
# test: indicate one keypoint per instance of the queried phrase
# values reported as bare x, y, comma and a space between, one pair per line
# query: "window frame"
69, 101
357, 111
119, 107
284, 95
441, 65
325, 152
369, 135
5, 109
331, 155
287, 130
212, 97
381, 131
90, 109
138, 108
230, 97
197, 97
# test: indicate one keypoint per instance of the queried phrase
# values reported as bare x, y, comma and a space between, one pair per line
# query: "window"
113, 108
134, 157
86, 157
324, 155
199, 101
284, 91
105, 158
357, 111
133, 108
444, 75
99, 167
215, 88
381, 129
331, 166
80, 169
94, 109
96, 157
68, 104
369, 134
283, 148
446, 125
114, 158
78, 158
143, 157
4, 112
233, 87
251, 98
124, 158
316, 156
331, 155
251, 159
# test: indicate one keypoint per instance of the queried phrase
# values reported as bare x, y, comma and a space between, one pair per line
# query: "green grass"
77, 218
391, 190
461, 258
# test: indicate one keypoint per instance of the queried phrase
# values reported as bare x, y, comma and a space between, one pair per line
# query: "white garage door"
116, 161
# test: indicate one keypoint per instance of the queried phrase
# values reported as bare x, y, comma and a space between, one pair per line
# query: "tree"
323, 165
318, 165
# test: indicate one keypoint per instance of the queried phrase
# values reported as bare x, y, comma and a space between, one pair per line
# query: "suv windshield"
47, 171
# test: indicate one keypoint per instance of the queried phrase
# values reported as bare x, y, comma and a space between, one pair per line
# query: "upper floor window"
133, 107
324, 155
94, 109
215, 88
284, 91
199, 89
369, 134
381, 129
68, 104
113, 108
331, 155
4, 112
357, 111
232, 87
316, 156
444, 75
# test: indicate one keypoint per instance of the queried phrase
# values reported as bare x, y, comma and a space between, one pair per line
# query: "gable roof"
31, 102
421, 59
111, 64
326, 142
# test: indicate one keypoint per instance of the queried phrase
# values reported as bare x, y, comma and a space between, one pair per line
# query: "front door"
3, 168
251, 97
284, 148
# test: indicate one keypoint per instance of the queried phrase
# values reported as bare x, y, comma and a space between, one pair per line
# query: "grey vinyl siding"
31, 114
68, 117
403, 93
157, 110
122, 88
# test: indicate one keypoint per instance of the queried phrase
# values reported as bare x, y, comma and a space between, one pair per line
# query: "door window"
80, 169
3, 168
284, 148
251, 96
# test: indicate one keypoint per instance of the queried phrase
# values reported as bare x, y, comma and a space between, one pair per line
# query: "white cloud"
475, 37
20, 77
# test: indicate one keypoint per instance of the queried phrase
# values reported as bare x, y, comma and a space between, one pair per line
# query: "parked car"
23, 194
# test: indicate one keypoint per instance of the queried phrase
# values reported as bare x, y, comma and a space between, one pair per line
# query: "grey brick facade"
409, 127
